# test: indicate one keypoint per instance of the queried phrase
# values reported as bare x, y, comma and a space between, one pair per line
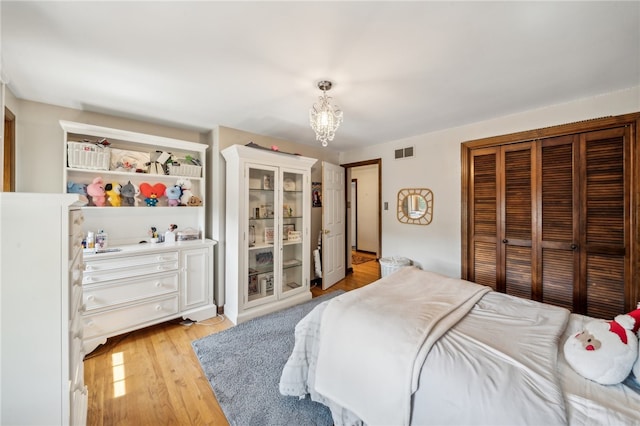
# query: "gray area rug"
244, 363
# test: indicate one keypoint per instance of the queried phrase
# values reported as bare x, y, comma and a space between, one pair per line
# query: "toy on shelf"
78, 188
96, 193
194, 201
152, 193
185, 186
113, 191
128, 195
173, 194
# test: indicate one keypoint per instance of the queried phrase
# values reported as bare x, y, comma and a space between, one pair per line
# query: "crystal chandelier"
325, 118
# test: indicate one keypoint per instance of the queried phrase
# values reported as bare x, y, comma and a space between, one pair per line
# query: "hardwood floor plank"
153, 377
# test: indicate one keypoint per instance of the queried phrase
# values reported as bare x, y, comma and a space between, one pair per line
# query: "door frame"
9, 152
378, 162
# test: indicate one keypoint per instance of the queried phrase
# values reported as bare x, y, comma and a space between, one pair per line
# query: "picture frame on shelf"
268, 234
266, 182
294, 236
264, 258
253, 287
286, 229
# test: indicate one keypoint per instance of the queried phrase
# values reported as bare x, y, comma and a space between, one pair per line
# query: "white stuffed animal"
605, 351
185, 185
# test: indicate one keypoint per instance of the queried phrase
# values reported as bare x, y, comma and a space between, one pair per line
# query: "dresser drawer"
101, 296
99, 265
129, 317
105, 275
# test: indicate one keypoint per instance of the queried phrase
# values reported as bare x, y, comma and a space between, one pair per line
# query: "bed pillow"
605, 351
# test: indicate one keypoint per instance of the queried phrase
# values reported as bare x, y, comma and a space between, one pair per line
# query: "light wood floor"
152, 376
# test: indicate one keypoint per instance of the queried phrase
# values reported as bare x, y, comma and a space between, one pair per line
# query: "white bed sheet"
487, 378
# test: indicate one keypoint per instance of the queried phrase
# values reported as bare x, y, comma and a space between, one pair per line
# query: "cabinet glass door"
261, 222
292, 231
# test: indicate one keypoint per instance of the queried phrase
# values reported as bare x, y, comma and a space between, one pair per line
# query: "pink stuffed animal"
96, 193
605, 351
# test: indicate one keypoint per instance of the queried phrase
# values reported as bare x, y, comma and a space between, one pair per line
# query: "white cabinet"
136, 281
42, 375
141, 285
267, 229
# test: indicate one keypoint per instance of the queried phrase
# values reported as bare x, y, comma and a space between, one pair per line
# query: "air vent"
404, 152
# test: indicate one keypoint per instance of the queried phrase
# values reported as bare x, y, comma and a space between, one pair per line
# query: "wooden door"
560, 216
483, 217
605, 231
516, 231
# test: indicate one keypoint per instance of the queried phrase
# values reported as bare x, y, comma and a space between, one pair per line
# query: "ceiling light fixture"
325, 118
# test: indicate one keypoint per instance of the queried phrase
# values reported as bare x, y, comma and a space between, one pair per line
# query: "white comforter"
495, 366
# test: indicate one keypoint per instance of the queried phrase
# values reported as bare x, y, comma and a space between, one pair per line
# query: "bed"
420, 348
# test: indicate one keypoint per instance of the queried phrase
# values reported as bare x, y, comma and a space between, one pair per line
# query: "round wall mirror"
415, 206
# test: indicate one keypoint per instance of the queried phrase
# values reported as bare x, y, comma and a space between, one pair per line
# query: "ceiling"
399, 68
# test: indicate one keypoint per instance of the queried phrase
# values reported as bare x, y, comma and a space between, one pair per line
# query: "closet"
552, 214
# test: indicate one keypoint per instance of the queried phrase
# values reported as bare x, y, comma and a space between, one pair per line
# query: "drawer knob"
91, 298
158, 284
158, 308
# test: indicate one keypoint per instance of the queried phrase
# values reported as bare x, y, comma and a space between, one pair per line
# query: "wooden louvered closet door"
554, 217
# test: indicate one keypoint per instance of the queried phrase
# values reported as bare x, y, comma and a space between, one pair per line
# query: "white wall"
367, 214
436, 165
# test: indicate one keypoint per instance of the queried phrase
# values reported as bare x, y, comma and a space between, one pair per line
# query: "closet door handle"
505, 241
574, 246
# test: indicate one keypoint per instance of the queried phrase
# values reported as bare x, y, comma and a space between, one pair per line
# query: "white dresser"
145, 284
41, 367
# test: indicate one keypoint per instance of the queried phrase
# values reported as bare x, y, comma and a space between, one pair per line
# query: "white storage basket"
83, 155
188, 170
389, 265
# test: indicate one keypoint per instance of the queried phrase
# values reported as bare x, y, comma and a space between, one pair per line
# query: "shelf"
130, 175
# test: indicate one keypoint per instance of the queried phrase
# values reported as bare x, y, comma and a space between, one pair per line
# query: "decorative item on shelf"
287, 228
128, 194
323, 117
266, 182
253, 287
188, 166
194, 201
252, 235
153, 193
113, 192
289, 184
266, 211
264, 258
188, 234
129, 161
268, 234
153, 233
89, 155
169, 235
287, 210
294, 236
158, 162
185, 185
78, 188
96, 193
173, 194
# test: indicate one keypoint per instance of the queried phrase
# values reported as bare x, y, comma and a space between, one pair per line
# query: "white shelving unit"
137, 282
267, 266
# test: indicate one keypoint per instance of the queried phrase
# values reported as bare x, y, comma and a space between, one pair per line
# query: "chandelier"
325, 118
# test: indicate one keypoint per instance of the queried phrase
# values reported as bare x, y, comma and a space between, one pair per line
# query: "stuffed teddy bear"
173, 194
605, 351
194, 201
152, 193
113, 191
185, 185
95, 191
